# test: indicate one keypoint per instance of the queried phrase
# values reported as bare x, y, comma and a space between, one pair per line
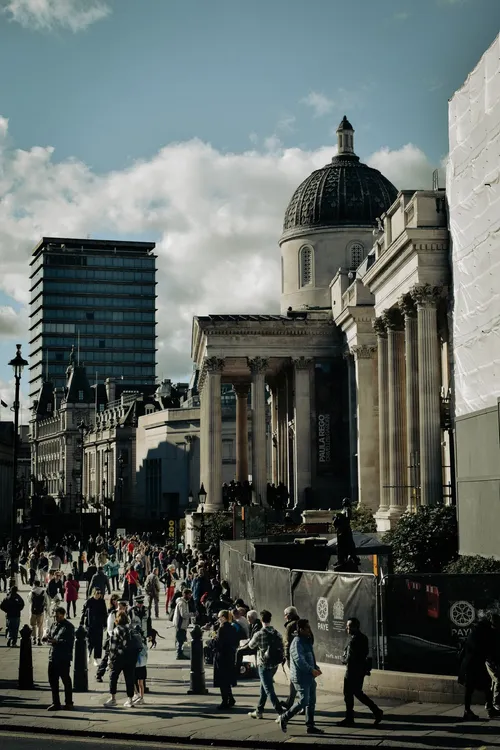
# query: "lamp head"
202, 495
18, 363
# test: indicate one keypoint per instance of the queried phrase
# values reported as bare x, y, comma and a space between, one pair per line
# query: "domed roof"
345, 192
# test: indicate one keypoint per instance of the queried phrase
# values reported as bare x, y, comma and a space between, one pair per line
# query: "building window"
80, 395
306, 262
357, 252
149, 409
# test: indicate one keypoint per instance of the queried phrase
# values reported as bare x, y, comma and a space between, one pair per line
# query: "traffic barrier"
197, 676
25, 681
80, 671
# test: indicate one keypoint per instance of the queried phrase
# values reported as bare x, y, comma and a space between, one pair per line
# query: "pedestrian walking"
55, 588
99, 581
61, 638
113, 610
112, 570
181, 619
152, 589
270, 655
95, 616
39, 607
12, 605
225, 647
291, 620
480, 668
303, 673
141, 671
357, 667
123, 649
132, 579
71, 589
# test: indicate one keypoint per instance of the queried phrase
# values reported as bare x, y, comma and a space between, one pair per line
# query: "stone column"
258, 367
367, 438
398, 464
302, 422
431, 470
241, 390
211, 433
409, 310
274, 434
282, 432
383, 420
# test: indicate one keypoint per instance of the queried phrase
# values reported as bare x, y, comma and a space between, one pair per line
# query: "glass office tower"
98, 296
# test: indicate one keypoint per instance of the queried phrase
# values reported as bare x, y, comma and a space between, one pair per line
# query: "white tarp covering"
473, 191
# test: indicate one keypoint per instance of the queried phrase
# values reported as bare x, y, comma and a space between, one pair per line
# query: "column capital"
241, 389
213, 364
363, 351
393, 319
426, 295
257, 365
407, 305
302, 363
379, 326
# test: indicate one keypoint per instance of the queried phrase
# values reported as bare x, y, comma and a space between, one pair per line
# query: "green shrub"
362, 520
425, 541
473, 564
218, 526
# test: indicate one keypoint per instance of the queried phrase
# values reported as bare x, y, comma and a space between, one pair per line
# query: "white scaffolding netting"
473, 192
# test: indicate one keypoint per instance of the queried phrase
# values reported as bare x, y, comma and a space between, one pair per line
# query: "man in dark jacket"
356, 661
61, 638
480, 666
95, 617
12, 605
99, 581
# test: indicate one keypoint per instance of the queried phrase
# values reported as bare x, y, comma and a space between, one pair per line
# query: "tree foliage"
218, 527
424, 541
362, 520
473, 564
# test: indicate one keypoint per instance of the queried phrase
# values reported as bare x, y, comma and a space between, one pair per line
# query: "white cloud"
217, 217
46, 15
319, 103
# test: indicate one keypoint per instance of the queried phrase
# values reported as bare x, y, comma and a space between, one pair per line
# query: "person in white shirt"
39, 604
55, 562
181, 620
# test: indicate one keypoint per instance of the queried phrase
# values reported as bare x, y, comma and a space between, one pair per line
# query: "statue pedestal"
317, 521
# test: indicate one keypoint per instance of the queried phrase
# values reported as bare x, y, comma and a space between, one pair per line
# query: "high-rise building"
97, 296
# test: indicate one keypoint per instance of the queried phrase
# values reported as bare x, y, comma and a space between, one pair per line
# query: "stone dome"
345, 192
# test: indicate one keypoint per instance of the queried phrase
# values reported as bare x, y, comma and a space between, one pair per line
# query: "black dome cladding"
345, 192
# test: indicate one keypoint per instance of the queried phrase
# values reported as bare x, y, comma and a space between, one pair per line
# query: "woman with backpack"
124, 647
225, 647
71, 588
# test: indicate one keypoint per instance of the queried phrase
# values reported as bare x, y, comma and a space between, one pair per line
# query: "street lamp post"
18, 364
202, 496
83, 429
121, 461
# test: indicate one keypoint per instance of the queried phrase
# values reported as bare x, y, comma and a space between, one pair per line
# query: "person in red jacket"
132, 577
71, 588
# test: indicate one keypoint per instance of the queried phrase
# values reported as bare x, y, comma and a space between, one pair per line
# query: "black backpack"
275, 652
38, 603
134, 644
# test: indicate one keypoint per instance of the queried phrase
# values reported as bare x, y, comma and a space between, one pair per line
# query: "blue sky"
190, 122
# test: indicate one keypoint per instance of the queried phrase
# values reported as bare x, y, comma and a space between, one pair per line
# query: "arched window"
357, 253
306, 266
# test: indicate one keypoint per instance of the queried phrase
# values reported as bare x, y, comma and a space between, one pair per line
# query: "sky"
191, 122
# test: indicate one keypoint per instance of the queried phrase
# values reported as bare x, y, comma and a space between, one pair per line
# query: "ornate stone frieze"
407, 306
257, 365
394, 320
324, 330
426, 295
379, 326
302, 363
363, 351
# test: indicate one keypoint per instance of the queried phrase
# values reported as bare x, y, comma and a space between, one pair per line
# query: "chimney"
110, 390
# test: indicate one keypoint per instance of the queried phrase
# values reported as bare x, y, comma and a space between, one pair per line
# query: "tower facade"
100, 297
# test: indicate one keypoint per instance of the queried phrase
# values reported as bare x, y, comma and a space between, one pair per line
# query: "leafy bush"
218, 526
362, 520
473, 564
425, 541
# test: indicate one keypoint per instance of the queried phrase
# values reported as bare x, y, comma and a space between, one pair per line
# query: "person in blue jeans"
12, 605
303, 673
262, 642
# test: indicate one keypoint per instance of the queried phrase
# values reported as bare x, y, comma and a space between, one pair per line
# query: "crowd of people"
241, 493
135, 573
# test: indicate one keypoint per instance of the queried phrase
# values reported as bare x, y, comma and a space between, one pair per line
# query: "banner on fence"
327, 600
427, 617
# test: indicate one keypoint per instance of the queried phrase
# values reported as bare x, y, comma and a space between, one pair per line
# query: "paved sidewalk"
171, 714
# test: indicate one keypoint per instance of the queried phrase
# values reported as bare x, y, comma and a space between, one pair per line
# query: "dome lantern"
345, 137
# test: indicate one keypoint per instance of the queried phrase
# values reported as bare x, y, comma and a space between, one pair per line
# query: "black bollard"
25, 660
197, 676
80, 671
